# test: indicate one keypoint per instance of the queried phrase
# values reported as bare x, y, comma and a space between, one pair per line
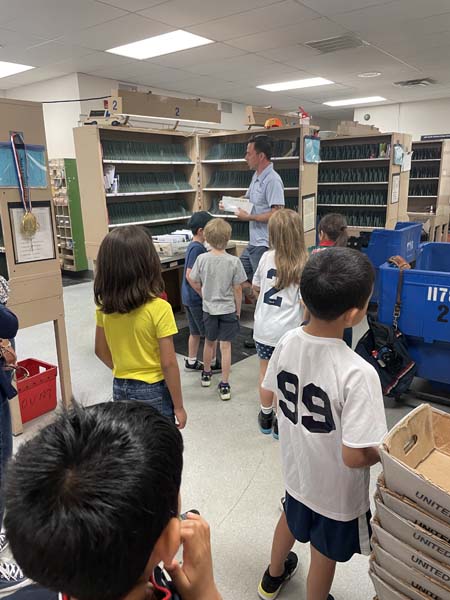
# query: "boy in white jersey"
331, 418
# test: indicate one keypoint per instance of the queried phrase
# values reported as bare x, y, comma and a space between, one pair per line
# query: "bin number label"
440, 294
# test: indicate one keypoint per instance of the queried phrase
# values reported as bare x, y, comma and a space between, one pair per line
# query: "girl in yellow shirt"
135, 327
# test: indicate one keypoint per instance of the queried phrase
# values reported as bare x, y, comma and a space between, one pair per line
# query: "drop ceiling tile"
293, 34
132, 5
239, 67
196, 56
334, 7
29, 77
10, 37
42, 54
255, 21
322, 94
184, 13
94, 61
143, 70
126, 29
297, 54
53, 17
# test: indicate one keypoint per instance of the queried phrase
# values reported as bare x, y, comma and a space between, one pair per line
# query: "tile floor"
232, 472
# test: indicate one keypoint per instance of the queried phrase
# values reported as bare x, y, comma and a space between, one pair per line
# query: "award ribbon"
29, 222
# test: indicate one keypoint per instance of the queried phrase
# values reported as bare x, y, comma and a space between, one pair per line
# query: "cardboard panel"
412, 534
397, 570
413, 466
412, 557
386, 592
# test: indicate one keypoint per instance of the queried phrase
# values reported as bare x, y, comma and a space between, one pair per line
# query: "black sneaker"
206, 378
249, 343
275, 429
224, 391
270, 587
216, 366
265, 422
195, 368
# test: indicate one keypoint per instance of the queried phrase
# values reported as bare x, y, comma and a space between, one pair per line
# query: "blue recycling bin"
425, 310
403, 241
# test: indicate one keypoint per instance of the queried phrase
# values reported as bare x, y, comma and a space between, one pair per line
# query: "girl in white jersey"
278, 309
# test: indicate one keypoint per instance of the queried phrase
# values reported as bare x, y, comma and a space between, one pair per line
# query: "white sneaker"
3, 541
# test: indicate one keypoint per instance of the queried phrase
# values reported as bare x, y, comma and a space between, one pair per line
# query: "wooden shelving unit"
224, 171
429, 188
69, 223
156, 178
356, 176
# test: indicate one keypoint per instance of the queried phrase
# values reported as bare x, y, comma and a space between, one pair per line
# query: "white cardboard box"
416, 459
386, 591
170, 248
413, 535
412, 512
412, 557
411, 577
396, 584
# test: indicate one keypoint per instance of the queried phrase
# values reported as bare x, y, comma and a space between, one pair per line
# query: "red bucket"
37, 393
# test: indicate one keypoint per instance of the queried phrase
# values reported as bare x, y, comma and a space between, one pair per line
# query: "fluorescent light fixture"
354, 101
176, 119
167, 43
8, 68
295, 85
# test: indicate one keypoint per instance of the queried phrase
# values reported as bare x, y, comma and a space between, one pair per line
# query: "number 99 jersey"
328, 396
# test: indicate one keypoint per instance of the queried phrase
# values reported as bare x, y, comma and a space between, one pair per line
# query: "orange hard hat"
273, 122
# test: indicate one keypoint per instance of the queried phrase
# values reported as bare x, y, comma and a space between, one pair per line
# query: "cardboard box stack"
411, 526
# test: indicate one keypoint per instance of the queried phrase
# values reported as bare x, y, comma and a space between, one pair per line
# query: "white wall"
59, 118
416, 118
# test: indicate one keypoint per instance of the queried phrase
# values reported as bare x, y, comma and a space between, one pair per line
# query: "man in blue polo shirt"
266, 193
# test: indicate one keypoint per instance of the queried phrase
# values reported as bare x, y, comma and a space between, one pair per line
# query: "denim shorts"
154, 394
194, 314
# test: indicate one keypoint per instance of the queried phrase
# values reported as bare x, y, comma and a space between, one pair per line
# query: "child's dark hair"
263, 143
88, 497
334, 226
336, 280
128, 271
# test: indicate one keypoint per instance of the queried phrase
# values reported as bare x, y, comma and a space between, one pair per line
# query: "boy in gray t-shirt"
218, 276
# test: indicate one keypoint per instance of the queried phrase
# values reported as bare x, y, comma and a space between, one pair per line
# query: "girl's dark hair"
334, 226
128, 271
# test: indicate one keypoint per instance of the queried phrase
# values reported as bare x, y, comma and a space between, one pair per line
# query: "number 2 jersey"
277, 311
328, 396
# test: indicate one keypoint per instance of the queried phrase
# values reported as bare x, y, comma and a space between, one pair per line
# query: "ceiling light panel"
295, 85
159, 45
8, 68
355, 101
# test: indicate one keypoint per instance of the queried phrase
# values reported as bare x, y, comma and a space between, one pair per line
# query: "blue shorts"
155, 394
337, 540
194, 314
264, 352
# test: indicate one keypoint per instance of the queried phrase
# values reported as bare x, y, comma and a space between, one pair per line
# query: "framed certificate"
41, 246
309, 212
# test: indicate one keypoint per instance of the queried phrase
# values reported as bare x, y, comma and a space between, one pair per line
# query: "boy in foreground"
331, 419
92, 507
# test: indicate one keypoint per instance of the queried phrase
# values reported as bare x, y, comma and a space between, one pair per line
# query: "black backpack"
386, 349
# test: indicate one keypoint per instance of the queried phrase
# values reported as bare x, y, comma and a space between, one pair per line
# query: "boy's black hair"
90, 495
263, 143
336, 280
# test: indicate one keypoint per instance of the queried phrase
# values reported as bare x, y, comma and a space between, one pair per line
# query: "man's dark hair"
90, 495
336, 280
263, 143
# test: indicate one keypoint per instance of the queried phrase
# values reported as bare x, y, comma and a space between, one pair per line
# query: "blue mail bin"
425, 310
403, 241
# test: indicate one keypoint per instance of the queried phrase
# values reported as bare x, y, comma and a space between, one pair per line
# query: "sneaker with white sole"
3, 541
269, 587
206, 378
224, 391
11, 577
194, 367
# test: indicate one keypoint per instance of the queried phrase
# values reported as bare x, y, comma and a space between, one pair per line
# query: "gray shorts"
250, 259
221, 327
195, 320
